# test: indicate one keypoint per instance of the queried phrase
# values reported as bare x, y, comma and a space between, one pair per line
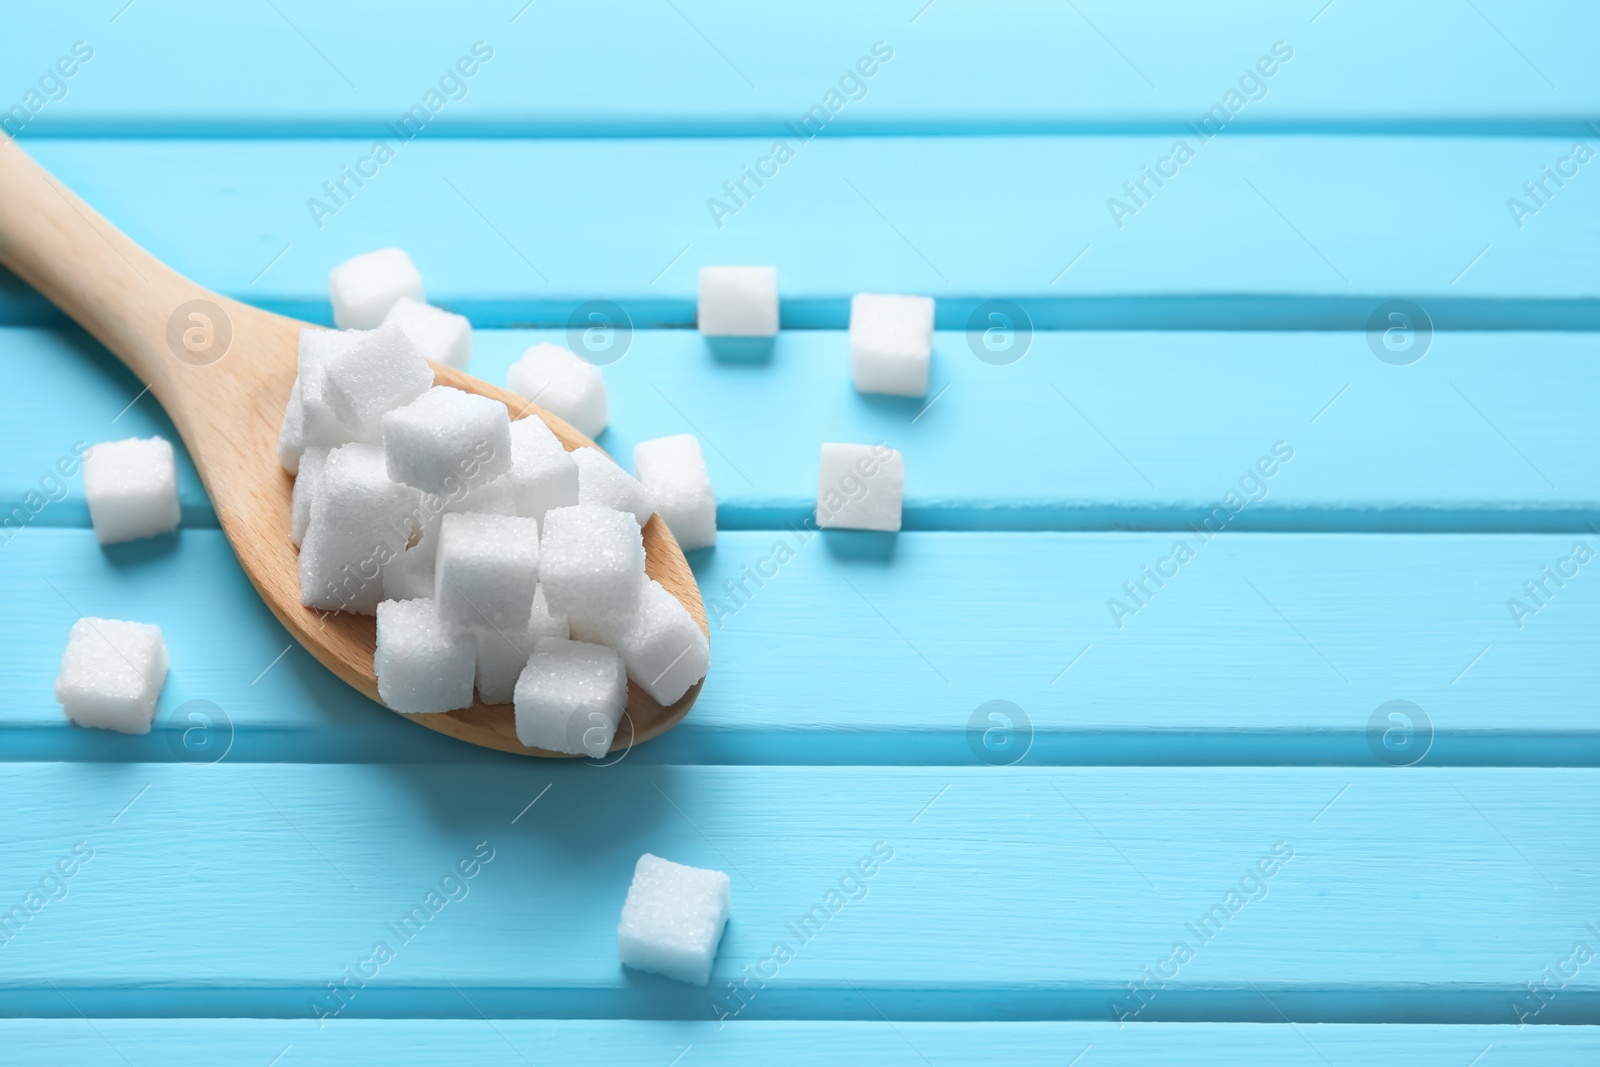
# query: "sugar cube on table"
303, 493
132, 489
860, 487
364, 288
673, 472
570, 697
360, 520
591, 562
601, 483
424, 664
543, 474
441, 336
378, 371
111, 674
673, 919
319, 425
503, 654
891, 341
661, 645
563, 383
446, 439
487, 570
292, 431
738, 301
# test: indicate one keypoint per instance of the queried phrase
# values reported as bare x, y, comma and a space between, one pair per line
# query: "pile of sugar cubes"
493, 558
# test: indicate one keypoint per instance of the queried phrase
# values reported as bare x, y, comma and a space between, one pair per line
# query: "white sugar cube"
570, 697
441, 336
738, 301
111, 674
446, 439
563, 383
673, 472
603, 484
487, 570
673, 919
891, 339
591, 562
424, 665
860, 487
503, 654
132, 489
543, 473
360, 520
661, 645
303, 493
292, 431
377, 372
319, 425
365, 287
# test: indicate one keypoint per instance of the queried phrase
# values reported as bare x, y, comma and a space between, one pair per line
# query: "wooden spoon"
222, 370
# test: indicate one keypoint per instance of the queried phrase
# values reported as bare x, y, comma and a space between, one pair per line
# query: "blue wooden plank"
713, 66
1265, 648
1281, 883
1086, 431
515, 1043
1253, 232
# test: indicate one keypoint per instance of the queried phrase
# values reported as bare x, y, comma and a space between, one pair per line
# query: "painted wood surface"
865, 651
515, 1043
1292, 231
938, 892
714, 66
1085, 431
1048, 852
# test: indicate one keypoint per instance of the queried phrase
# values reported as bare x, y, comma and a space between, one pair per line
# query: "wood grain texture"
963, 911
1265, 648
1290, 232
226, 402
716, 66
515, 1043
1120, 430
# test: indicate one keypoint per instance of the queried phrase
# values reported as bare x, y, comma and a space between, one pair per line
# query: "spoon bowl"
223, 370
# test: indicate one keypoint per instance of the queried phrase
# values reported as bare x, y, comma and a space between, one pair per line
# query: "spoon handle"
90, 269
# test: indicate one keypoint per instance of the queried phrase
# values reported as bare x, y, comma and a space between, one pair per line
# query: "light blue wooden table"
1326, 793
